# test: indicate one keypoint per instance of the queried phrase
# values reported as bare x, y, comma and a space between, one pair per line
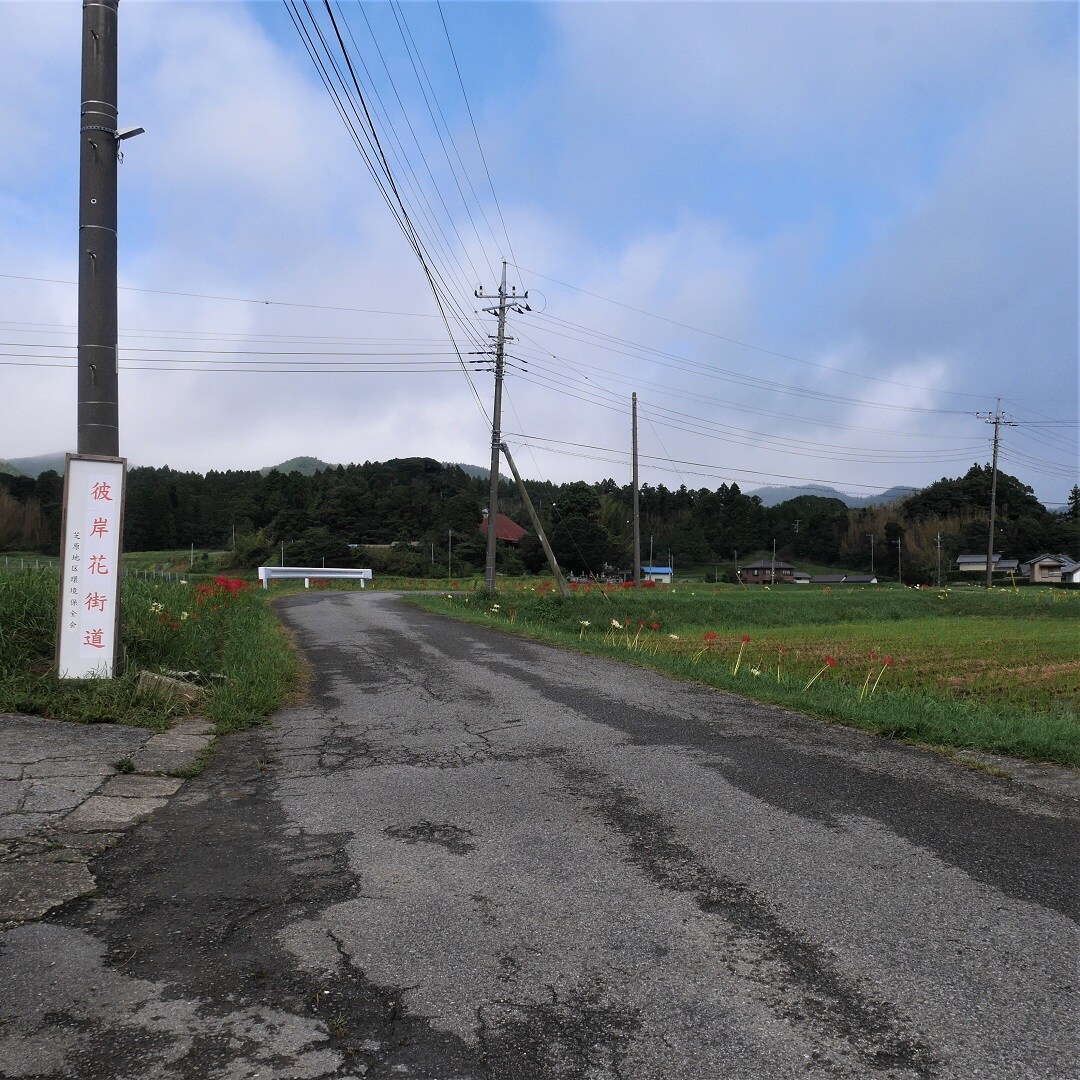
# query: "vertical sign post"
88, 617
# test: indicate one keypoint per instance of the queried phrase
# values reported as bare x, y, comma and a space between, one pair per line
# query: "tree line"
417, 516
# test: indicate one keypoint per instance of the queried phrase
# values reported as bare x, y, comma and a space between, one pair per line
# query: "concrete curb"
63, 800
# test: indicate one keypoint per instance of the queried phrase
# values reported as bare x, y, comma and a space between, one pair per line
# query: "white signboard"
88, 619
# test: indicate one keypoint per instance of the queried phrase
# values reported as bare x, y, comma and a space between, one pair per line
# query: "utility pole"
512, 302
996, 418
871, 535
560, 581
772, 572
637, 505
99, 150
899, 562
449, 554
937, 540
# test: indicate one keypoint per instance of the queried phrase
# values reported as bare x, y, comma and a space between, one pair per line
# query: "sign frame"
90, 553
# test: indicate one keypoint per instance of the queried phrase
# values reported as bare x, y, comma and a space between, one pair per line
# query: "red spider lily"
648, 584
743, 642
829, 663
230, 585
655, 626
886, 663
709, 637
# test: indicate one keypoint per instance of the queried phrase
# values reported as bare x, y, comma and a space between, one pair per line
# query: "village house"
766, 571
1048, 569
843, 579
660, 574
976, 564
505, 529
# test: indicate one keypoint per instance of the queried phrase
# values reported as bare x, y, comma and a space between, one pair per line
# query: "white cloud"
879, 188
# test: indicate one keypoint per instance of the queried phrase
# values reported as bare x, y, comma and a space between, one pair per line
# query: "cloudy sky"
816, 239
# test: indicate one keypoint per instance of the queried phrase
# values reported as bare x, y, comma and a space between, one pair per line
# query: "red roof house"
505, 529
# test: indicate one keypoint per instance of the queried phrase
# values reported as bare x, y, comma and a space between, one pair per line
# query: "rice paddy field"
964, 668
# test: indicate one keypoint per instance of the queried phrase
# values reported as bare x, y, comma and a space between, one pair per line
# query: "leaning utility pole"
637, 504
560, 581
997, 419
512, 302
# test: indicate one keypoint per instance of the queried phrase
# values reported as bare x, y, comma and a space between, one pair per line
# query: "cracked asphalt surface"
467, 855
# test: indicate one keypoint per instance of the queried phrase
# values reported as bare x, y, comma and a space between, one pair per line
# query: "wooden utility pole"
560, 581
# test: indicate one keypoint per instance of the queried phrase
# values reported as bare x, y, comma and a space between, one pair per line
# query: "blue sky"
816, 238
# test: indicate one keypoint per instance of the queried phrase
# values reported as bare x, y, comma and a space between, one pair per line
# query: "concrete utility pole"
637, 504
506, 302
99, 146
871, 535
997, 419
937, 540
899, 562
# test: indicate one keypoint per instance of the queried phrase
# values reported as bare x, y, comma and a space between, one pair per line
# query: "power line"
749, 345
234, 299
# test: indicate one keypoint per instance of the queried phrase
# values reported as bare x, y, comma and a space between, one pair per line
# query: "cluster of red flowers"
222, 587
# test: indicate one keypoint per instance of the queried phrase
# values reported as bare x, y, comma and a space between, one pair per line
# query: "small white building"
660, 574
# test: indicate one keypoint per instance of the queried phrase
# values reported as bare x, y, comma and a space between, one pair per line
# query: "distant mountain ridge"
35, 466
773, 496
308, 466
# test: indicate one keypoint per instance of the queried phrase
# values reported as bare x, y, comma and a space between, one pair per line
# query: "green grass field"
996, 671
167, 626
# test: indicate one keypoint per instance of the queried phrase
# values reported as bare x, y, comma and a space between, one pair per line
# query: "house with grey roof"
976, 564
1049, 569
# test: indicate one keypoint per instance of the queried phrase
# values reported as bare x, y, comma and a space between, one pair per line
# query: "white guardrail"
319, 573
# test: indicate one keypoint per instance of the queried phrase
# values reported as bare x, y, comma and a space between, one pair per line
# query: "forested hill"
428, 507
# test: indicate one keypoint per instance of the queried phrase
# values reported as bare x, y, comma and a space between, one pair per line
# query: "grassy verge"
994, 671
225, 630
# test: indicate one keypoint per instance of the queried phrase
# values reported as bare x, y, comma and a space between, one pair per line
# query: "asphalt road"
470, 856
